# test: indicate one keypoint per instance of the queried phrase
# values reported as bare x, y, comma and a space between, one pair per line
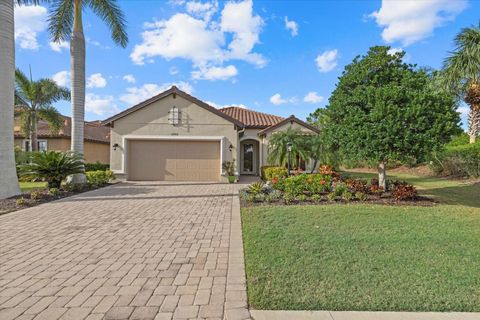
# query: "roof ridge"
250, 110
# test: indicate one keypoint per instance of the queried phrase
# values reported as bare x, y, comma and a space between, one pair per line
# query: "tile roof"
94, 131
290, 119
250, 118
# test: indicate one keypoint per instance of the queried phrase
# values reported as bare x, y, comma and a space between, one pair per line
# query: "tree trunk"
382, 176
314, 165
8, 173
33, 132
473, 122
77, 62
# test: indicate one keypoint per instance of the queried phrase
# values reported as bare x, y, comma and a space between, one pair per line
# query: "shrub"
255, 188
339, 189
35, 195
347, 196
97, 166
55, 192
295, 185
361, 196
375, 189
52, 166
277, 173
262, 171
288, 199
457, 160
20, 202
260, 197
275, 195
404, 191
318, 183
331, 196
99, 178
302, 198
229, 167
356, 185
316, 197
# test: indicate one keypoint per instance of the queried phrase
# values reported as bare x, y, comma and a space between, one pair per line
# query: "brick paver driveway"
129, 251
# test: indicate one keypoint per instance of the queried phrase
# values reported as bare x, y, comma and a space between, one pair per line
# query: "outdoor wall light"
115, 146
230, 148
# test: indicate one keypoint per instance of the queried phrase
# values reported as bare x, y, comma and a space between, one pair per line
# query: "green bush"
262, 171
275, 173
97, 166
99, 178
54, 192
51, 166
457, 160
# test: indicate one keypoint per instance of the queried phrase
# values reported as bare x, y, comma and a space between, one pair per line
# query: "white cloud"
100, 105
135, 95
58, 46
219, 106
410, 21
277, 99
313, 97
96, 80
204, 10
292, 26
29, 21
327, 61
215, 73
204, 42
62, 78
392, 51
129, 78
173, 71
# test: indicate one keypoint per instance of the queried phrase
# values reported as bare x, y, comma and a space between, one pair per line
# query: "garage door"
174, 160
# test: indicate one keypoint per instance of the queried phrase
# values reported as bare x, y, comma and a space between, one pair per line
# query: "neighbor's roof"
173, 90
290, 119
94, 131
250, 118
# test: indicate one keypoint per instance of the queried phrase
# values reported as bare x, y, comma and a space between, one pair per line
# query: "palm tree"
278, 152
33, 101
320, 151
8, 173
461, 73
65, 23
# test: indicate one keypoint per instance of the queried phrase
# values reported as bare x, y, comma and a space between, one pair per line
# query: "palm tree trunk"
382, 176
473, 123
8, 174
33, 132
77, 62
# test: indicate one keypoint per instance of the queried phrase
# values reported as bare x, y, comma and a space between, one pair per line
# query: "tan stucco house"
174, 136
96, 139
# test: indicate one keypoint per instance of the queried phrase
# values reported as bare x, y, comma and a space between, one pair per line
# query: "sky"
279, 57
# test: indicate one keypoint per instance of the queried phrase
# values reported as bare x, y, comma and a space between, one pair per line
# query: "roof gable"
290, 119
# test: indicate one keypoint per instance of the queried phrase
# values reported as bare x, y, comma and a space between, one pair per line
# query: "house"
174, 136
96, 139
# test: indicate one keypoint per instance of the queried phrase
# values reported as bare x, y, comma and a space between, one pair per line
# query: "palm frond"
51, 92
112, 15
60, 20
52, 117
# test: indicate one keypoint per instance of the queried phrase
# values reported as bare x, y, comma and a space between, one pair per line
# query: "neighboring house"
174, 136
96, 139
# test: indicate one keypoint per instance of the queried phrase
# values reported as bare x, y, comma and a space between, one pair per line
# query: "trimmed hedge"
99, 178
275, 172
97, 166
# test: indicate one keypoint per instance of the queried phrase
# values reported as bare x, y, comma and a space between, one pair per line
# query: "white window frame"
38, 141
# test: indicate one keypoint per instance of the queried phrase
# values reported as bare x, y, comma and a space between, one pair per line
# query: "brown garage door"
173, 160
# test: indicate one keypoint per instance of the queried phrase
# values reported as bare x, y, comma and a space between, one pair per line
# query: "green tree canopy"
384, 109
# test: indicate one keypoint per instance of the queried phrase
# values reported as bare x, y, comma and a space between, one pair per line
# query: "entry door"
248, 158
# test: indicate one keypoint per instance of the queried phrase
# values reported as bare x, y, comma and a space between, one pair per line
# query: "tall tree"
65, 23
461, 73
384, 110
33, 102
8, 173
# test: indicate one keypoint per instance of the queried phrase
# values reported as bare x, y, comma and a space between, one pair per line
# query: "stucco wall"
93, 151
152, 121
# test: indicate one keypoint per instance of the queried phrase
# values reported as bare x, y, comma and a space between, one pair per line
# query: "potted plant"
229, 168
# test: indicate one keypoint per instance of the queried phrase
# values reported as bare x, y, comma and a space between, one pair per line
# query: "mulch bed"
40, 196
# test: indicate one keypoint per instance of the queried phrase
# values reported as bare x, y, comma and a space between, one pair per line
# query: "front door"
248, 158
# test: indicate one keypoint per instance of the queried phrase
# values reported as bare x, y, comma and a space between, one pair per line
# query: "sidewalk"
360, 315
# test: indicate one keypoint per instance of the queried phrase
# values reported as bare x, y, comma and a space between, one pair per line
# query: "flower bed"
327, 186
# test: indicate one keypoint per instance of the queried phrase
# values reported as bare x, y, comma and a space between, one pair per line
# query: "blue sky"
280, 57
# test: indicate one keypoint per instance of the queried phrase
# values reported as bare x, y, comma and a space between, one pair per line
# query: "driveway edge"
236, 306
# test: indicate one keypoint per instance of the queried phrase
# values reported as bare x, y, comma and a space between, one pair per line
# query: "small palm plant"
34, 101
229, 168
278, 149
52, 166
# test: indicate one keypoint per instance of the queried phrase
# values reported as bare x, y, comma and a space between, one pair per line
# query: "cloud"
100, 105
220, 106
62, 78
58, 46
312, 97
392, 51
292, 26
29, 21
129, 78
277, 99
96, 80
173, 71
204, 42
204, 10
410, 21
135, 95
215, 73
327, 61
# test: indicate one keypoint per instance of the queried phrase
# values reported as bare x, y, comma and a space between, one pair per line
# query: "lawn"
368, 257
29, 186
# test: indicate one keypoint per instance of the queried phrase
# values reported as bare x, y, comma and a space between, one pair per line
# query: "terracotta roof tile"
93, 131
250, 118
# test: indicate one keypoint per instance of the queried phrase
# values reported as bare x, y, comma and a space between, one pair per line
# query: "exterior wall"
93, 151
152, 121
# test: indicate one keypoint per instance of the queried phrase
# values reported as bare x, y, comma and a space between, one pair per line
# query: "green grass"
29, 186
367, 257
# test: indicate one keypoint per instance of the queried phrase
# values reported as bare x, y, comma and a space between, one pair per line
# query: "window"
41, 144
174, 116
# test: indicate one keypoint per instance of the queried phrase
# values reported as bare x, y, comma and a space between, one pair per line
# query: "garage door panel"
174, 160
